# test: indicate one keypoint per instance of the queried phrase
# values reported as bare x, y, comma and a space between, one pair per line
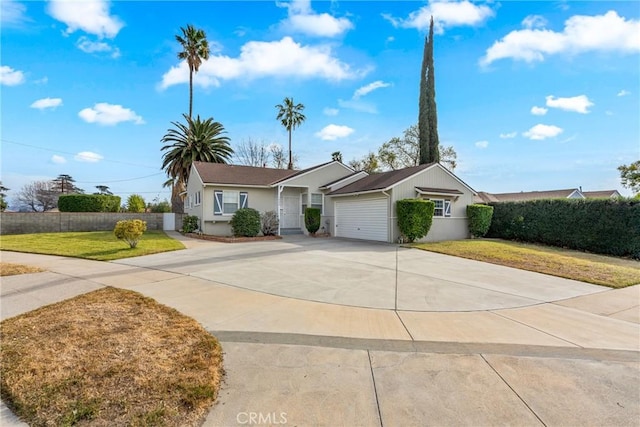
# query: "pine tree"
428, 115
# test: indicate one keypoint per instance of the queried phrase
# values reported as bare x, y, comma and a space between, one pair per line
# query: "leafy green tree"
369, 164
290, 115
428, 116
136, 203
103, 189
197, 140
160, 207
630, 176
3, 195
398, 153
195, 48
65, 184
336, 156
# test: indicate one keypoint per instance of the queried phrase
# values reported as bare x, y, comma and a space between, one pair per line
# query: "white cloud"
364, 90
58, 159
89, 46
508, 135
87, 157
303, 19
482, 144
534, 21
538, 111
42, 81
623, 92
89, 16
608, 33
109, 114
358, 105
10, 77
540, 132
330, 111
578, 104
282, 58
445, 14
12, 13
333, 132
44, 103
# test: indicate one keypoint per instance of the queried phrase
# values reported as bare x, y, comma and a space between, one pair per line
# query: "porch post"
280, 188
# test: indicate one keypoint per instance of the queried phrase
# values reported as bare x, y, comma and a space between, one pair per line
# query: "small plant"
161, 207
414, 218
479, 219
130, 231
270, 223
245, 222
135, 203
190, 223
312, 220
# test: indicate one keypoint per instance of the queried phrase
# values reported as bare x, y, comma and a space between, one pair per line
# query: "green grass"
96, 245
590, 268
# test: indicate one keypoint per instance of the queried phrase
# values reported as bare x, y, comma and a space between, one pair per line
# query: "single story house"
353, 204
571, 193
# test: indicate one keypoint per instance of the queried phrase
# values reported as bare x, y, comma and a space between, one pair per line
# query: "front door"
290, 212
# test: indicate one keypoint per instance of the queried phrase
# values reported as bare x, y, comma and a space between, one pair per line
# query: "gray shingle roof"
532, 195
219, 173
604, 194
380, 181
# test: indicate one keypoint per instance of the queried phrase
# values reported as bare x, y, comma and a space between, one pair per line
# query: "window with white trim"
317, 201
198, 198
442, 208
228, 202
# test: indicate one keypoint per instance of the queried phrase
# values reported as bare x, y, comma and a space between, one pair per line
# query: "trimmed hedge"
312, 219
190, 223
415, 217
88, 203
479, 219
245, 222
610, 226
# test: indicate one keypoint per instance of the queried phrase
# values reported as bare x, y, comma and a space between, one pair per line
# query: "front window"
316, 201
439, 211
230, 201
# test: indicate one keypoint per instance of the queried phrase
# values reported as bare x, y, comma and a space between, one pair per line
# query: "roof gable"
298, 174
221, 173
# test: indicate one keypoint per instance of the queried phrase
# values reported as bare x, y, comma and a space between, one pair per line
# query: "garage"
362, 219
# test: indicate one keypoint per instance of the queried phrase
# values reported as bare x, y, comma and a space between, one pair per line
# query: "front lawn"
96, 245
590, 268
109, 357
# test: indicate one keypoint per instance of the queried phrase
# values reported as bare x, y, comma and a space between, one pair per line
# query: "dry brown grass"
591, 268
8, 269
110, 357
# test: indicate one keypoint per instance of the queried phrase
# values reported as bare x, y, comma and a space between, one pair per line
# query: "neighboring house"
571, 193
353, 204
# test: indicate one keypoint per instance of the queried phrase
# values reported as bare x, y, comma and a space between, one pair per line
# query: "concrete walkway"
441, 341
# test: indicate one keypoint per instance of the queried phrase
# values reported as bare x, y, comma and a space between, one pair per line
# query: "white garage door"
362, 219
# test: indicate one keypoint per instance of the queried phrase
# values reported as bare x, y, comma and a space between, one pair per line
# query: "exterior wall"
55, 222
451, 228
194, 185
260, 199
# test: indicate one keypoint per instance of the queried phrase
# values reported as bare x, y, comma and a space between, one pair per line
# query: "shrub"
190, 223
245, 222
270, 223
135, 203
479, 219
414, 218
312, 219
130, 231
161, 207
88, 203
605, 226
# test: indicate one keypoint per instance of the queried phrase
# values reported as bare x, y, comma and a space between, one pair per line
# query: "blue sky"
532, 95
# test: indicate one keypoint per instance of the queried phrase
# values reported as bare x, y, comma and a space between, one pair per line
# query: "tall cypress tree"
428, 115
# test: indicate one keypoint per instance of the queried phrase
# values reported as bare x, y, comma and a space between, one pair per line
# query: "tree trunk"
290, 167
190, 92
177, 204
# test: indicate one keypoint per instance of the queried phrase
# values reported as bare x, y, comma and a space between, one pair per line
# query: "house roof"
484, 197
351, 175
220, 173
531, 195
304, 171
380, 181
604, 194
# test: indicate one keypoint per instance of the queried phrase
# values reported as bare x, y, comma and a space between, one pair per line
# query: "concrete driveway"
333, 332
365, 274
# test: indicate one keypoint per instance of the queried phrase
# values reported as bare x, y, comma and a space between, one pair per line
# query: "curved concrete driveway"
365, 274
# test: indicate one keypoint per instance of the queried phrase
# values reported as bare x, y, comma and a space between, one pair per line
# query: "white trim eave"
210, 184
312, 169
579, 193
352, 176
437, 193
357, 193
194, 168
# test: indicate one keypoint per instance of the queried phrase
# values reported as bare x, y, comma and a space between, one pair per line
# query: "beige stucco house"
353, 204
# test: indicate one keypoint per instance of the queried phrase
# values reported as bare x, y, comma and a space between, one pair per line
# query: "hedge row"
88, 203
602, 226
414, 218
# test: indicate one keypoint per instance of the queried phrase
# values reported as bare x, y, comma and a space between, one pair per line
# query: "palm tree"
197, 140
195, 49
291, 116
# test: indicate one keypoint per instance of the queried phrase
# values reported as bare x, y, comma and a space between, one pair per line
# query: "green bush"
136, 204
88, 203
130, 231
414, 217
312, 219
161, 207
245, 222
606, 226
270, 223
190, 223
479, 219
